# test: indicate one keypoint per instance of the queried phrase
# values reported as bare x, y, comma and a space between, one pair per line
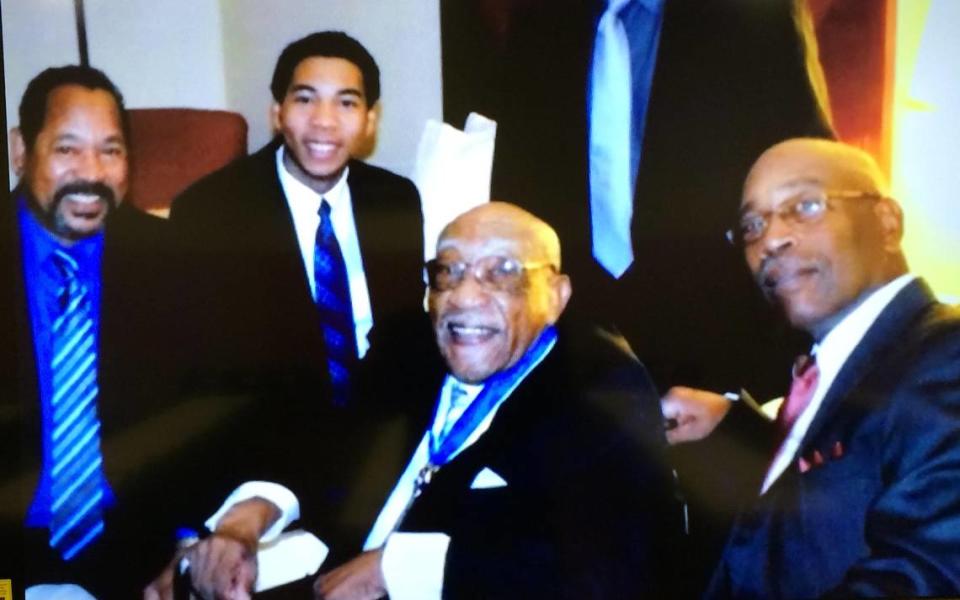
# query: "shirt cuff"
413, 565
283, 498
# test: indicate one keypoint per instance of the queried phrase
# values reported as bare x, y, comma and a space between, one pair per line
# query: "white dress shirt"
832, 352
304, 205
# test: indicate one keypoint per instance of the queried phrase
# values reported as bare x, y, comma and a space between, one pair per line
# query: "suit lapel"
364, 211
275, 223
882, 337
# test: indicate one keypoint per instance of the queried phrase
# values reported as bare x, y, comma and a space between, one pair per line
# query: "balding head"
496, 219
840, 165
494, 286
819, 229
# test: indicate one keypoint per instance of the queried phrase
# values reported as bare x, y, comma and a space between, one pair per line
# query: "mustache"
763, 277
775, 268
93, 188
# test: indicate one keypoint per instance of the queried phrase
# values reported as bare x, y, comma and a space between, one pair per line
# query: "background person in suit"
855, 500
710, 85
85, 353
305, 261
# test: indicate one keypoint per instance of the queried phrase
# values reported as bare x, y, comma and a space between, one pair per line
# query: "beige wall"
220, 54
402, 35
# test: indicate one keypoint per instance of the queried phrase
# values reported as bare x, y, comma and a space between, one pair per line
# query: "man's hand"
224, 565
359, 579
161, 588
692, 414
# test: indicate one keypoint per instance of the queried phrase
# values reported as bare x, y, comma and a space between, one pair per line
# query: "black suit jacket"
729, 81
587, 511
257, 314
150, 441
881, 515
256, 334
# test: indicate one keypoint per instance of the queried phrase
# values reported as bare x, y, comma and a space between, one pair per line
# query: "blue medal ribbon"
495, 388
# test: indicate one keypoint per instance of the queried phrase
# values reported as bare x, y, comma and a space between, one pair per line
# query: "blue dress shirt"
41, 285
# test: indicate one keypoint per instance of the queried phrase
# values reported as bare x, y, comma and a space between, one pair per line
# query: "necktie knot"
65, 264
615, 6
806, 374
459, 400
69, 288
324, 210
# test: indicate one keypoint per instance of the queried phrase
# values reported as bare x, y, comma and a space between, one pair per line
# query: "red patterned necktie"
805, 377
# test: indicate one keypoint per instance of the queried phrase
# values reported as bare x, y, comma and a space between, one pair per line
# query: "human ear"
18, 151
373, 119
561, 289
275, 117
890, 218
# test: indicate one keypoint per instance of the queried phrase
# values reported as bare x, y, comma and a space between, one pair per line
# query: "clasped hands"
223, 566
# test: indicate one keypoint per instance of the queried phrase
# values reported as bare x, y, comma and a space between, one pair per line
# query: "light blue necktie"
334, 308
76, 472
459, 401
611, 186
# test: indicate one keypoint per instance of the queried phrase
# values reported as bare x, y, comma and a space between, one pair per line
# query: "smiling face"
76, 171
324, 118
482, 331
817, 272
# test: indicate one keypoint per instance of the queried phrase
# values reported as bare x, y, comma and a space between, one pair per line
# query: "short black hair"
330, 44
33, 105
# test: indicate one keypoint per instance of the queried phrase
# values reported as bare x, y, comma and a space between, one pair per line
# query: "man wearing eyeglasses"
541, 473
857, 493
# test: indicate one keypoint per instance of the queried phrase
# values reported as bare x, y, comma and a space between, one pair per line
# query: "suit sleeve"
912, 527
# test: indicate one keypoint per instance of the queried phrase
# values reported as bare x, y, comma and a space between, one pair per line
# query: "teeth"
83, 198
464, 330
320, 147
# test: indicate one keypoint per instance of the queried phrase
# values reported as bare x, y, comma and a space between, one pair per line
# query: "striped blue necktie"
77, 480
334, 307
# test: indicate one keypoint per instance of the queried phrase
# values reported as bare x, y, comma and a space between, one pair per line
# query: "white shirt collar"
832, 351
301, 194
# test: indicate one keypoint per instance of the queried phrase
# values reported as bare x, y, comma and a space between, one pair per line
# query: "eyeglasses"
802, 209
494, 273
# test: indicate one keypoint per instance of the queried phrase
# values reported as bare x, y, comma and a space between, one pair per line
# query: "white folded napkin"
452, 172
486, 479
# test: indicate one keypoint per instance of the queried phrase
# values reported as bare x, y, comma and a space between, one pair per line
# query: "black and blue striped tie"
77, 480
334, 306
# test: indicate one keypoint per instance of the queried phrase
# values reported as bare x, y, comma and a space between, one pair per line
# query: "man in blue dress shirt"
84, 361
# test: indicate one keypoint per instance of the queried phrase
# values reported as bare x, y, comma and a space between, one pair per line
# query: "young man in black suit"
252, 230
304, 280
853, 499
84, 382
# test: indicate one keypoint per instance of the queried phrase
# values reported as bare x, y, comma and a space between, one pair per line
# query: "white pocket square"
486, 479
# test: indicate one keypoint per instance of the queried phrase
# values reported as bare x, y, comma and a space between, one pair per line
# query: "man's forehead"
317, 69
72, 100
772, 194
480, 242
